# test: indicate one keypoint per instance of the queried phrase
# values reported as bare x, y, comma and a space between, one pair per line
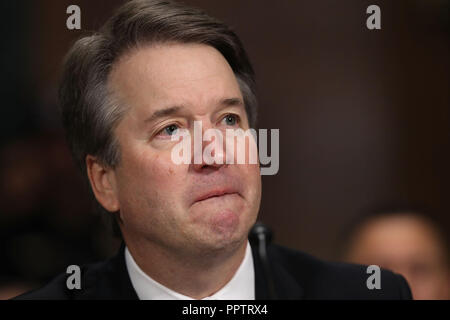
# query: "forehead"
173, 73
401, 234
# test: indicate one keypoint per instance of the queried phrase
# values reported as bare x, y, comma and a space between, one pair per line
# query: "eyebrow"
163, 113
227, 102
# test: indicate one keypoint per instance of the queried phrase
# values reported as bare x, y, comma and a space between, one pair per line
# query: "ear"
103, 183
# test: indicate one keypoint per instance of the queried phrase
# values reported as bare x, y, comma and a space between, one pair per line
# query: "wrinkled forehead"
173, 74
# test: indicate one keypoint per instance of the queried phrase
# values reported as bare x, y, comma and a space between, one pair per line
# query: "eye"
169, 130
231, 119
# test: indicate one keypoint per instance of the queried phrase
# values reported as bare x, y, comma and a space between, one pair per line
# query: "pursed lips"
215, 193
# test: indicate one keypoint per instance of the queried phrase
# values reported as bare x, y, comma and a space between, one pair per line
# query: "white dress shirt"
240, 287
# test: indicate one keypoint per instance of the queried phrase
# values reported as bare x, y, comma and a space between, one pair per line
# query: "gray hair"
90, 112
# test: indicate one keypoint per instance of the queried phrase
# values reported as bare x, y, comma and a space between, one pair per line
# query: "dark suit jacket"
296, 275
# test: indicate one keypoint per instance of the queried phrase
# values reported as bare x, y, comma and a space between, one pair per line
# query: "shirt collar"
240, 287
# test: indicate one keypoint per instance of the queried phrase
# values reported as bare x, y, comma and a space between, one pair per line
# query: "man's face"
166, 87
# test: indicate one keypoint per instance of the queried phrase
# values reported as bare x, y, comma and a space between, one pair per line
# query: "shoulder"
57, 288
335, 280
104, 280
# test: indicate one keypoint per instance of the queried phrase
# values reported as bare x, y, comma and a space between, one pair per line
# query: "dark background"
364, 122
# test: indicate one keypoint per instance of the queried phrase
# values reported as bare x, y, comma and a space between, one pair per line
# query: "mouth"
215, 194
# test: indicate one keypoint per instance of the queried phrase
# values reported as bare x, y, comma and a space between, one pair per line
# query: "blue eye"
231, 119
170, 130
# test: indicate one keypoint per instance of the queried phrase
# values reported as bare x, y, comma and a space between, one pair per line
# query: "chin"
225, 234
222, 245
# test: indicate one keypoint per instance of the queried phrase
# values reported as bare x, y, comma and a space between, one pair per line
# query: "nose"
208, 147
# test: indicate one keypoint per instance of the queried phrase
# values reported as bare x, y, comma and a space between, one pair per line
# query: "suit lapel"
286, 286
125, 288
109, 280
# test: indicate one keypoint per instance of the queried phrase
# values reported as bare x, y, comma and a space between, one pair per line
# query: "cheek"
150, 179
253, 180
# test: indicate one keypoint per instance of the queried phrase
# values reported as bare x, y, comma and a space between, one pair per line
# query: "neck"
196, 276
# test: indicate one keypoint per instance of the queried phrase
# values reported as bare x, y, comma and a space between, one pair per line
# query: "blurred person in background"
407, 242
